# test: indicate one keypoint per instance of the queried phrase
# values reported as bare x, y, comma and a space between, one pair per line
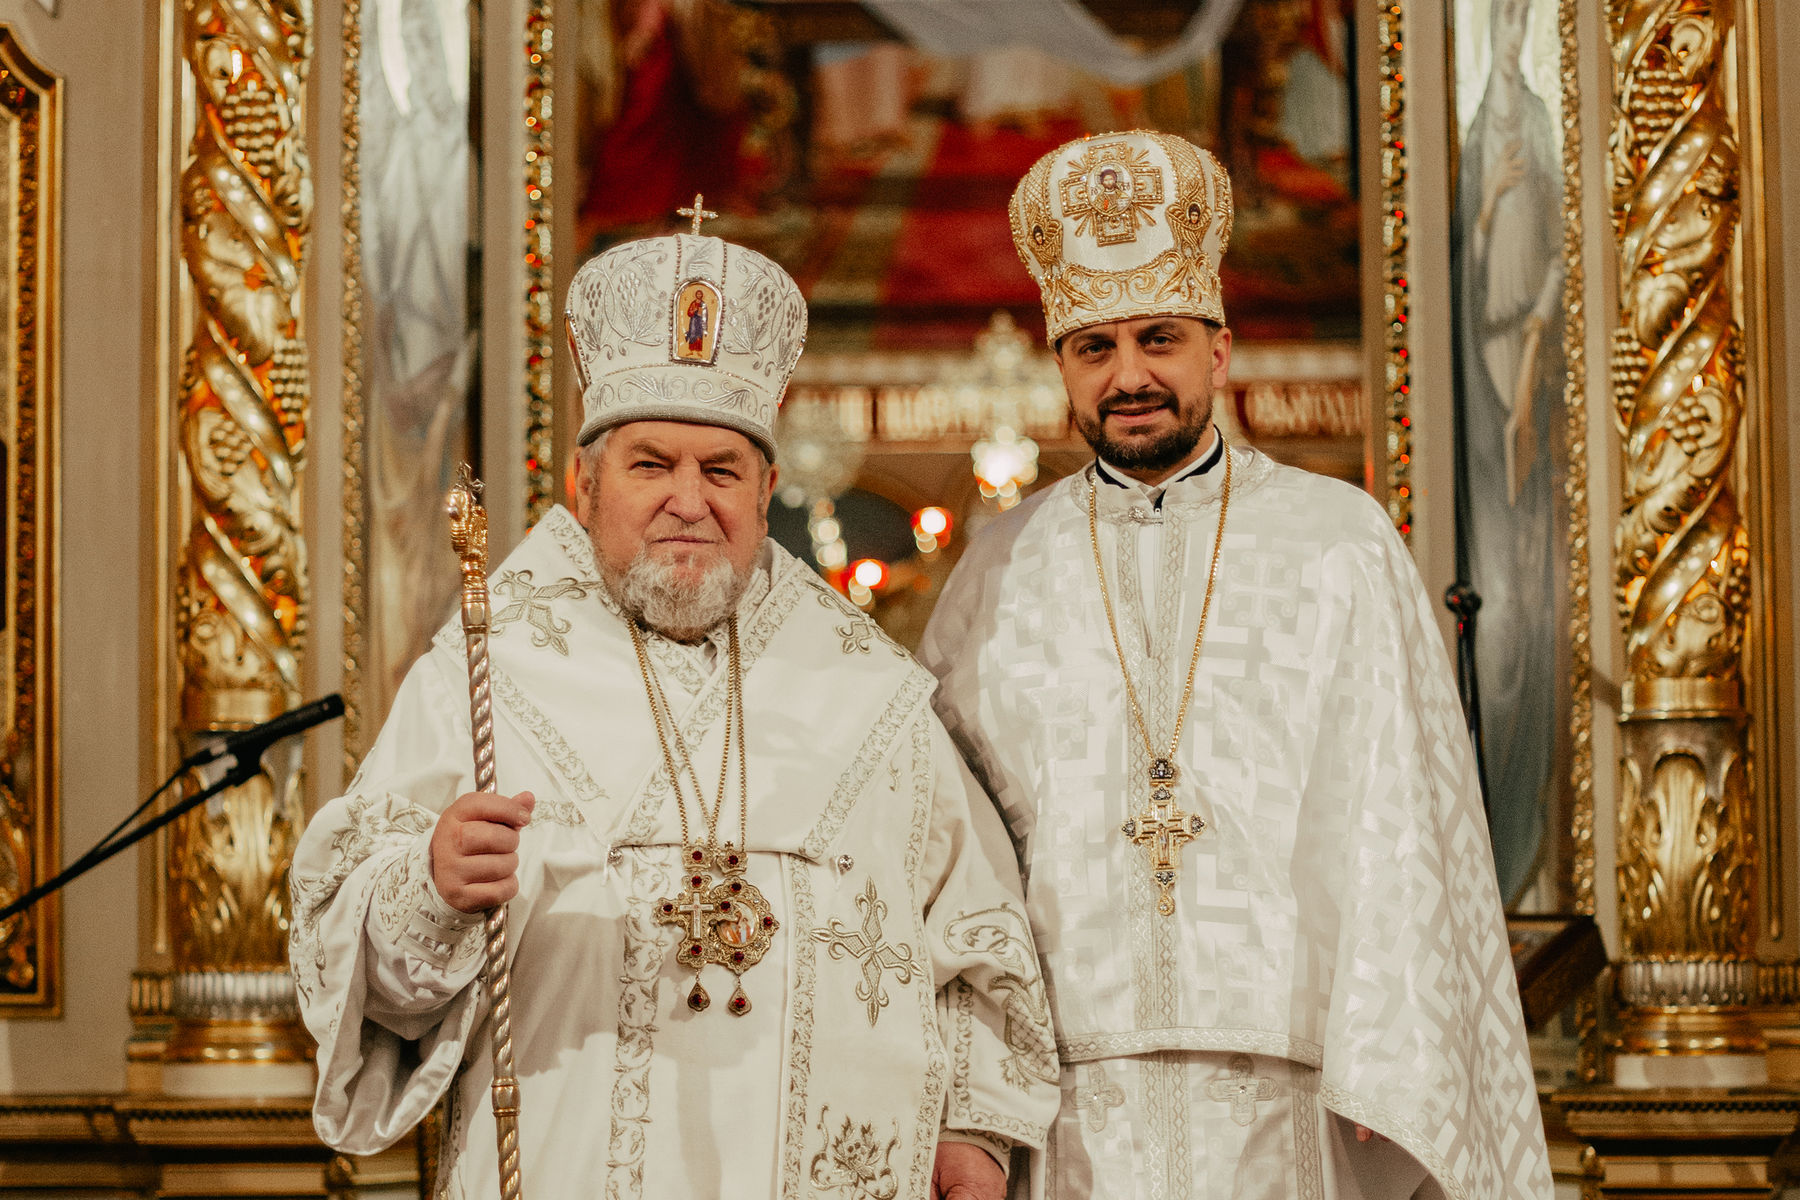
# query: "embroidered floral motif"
800, 1040
999, 933
562, 756
532, 604
383, 822
861, 628
646, 945
563, 529
887, 727
871, 949
854, 1161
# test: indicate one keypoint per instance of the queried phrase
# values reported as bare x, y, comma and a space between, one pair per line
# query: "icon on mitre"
697, 311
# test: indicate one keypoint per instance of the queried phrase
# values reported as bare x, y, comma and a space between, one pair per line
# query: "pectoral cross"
1162, 829
691, 908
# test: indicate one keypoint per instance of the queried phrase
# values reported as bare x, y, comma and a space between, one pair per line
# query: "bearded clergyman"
767, 934
1208, 693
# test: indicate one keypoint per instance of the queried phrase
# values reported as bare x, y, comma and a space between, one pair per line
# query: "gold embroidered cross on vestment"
1162, 829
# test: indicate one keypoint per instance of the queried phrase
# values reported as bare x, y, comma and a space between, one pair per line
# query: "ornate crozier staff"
468, 536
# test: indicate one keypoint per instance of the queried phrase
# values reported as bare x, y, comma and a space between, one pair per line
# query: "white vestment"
1338, 912
900, 1002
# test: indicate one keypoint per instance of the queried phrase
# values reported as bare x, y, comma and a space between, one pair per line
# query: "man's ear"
585, 483
769, 482
1221, 356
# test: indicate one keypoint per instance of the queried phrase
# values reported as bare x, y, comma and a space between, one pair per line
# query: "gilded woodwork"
1687, 857
246, 205
155, 1145
31, 120
1396, 294
540, 300
1656, 1143
356, 515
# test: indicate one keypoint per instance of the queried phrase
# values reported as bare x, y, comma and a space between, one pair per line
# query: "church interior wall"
105, 525
1781, 153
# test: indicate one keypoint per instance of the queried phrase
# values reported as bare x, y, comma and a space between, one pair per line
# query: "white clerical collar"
1154, 491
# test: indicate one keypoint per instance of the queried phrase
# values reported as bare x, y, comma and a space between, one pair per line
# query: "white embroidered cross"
1095, 1096
1264, 585
1241, 1088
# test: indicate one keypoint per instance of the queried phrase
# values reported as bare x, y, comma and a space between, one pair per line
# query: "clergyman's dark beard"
1161, 452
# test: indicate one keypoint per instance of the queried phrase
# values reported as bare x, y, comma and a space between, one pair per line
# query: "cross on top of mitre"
698, 212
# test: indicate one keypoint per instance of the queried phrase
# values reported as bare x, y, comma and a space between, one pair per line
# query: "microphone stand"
244, 766
1464, 602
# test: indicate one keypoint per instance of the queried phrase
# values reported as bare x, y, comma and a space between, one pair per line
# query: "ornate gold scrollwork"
246, 201
1687, 851
30, 200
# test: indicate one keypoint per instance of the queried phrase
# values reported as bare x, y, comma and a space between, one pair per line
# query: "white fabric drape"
1062, 29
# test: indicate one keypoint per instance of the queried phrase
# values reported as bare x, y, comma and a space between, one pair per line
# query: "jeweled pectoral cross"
1163, 829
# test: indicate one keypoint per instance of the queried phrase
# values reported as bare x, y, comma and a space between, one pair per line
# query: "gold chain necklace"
728, 923
1162, 829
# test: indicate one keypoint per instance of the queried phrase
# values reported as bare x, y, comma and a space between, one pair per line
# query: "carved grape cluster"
287, 383
252, 123
1658, 100
1628, 368
1689, 419
230, 446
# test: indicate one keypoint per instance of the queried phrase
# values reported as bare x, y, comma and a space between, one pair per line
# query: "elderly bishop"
767, 935
1208, 694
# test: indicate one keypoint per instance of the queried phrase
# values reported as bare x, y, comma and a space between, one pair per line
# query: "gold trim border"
1763, 638
1575, 486
355, 500
1396, 291
37, 96
540, 302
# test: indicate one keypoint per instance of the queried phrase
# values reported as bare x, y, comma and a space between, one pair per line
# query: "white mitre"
1117, 226
684, 328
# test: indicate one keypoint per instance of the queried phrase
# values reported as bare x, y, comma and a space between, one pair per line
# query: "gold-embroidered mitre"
1117, 226
684, 328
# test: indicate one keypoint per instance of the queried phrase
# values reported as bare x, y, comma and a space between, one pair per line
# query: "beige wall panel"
1781, 151
104, 63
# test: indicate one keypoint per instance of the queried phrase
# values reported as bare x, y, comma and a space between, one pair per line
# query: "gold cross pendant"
1162, 829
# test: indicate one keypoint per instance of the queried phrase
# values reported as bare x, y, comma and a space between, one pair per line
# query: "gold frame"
1396, 246
540, 297
355, 499
28, 815
1581, 654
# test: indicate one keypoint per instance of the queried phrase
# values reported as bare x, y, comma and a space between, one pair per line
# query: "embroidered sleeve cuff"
993, 1143
414, 917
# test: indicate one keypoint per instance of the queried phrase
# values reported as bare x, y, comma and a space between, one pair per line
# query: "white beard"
651, 593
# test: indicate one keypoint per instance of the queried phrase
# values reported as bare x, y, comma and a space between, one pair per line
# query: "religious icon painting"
1112, 191
1510, 279
696, 323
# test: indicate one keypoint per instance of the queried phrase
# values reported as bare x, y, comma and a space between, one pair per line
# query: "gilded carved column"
1687, 850
246, 201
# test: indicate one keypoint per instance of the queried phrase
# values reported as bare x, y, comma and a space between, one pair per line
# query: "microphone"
250, 743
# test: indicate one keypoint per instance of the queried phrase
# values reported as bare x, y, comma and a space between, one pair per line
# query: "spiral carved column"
1687, 852
246, 203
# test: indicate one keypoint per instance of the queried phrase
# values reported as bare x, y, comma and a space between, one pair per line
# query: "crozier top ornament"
684, 328
1118, 226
